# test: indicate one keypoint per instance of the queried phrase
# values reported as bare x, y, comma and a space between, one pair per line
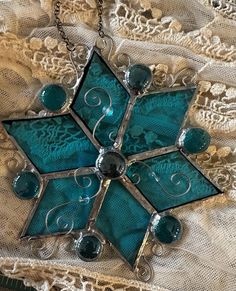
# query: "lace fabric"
175, 38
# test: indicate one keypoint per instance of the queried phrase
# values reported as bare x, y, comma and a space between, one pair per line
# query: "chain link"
71, 46
100, 20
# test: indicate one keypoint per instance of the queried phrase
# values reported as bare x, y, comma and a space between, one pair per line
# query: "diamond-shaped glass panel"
60, 208
123, 221
92, 100
170, 180
53, 143
156, 120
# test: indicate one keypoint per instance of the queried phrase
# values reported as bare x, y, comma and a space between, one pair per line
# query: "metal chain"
70, 45
100, 20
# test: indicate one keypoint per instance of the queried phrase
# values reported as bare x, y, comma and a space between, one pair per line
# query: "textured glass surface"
100, 77
72, 215
179, 181
123, 221
53, 144
156, 121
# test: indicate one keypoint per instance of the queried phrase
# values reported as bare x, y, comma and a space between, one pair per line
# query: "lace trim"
226, 8
54, 275
37, 54
146, 23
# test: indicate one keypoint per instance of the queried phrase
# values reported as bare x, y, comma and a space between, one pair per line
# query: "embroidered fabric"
177, 39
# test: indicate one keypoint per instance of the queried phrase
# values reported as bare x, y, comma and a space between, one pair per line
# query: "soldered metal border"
104, 184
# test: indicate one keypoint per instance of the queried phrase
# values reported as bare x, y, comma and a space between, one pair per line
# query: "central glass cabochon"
111, 164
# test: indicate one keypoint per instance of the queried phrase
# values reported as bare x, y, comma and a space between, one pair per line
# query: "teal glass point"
26, 185
195, 140
101, 94
170, 180
61, 207
156, 120
54, 143
123, 221
53, 97
138, 77
168, 229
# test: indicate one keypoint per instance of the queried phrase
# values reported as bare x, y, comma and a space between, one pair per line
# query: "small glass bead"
53, 97
108, 111
88, 248
138, 77
111, 165
168, 229
26, 185
195, 140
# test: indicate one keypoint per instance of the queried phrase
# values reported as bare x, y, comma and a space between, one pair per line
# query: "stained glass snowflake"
110, 162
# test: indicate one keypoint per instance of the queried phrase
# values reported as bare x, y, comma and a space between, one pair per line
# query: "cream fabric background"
198, 37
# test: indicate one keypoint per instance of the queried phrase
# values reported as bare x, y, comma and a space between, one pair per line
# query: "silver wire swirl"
12, 164
177, 182
68, 225
40, 249
175, 179
84, 178
72, 78
80, 173
4, 140
16, 163
144, 270
158, 249
184, 76
97, 99
97, 102
134, 176
106, 45
111, 138
3, 136
122, 61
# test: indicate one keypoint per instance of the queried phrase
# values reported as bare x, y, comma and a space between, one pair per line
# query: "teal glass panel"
60, 202
123, 221
170, 180
156, 121
92, 100
53, 144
